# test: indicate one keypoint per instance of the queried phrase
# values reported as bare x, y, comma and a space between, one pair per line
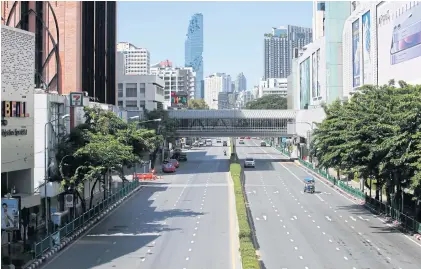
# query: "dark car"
263, 144
224, 143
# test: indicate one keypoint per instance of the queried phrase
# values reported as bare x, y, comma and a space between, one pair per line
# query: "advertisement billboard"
356, 53
313, 75
399, 41
10, 214
305, 83
366, 40
179, 99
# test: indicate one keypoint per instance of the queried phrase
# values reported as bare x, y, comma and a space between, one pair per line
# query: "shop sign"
13, 132
76, 99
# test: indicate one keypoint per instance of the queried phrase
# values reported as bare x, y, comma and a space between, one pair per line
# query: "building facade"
370, 53
75, 44
214, 84
279, 46
240, 83
273, 86
318, 19
136, 60
179, 81
17, 104
194, 52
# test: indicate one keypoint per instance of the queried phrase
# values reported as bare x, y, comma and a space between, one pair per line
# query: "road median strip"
249, 258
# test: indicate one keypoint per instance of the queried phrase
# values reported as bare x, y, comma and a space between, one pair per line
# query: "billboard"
313, 75
10, 214
399, 41
179, 99
356, 53
366, 40
305, 83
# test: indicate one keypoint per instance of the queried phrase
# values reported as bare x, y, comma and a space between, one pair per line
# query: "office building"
215, 83
279, 46
136, 60
194, 52
138, 92
79, 54
273, 86
241, 82
244, 97
226, 100
179, 82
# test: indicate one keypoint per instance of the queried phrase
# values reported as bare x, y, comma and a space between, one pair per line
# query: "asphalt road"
185, 220
321, 230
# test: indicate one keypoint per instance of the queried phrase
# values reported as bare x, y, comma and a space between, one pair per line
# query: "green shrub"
248, 252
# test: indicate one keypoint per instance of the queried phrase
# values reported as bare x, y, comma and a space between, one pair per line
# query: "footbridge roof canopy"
233, 114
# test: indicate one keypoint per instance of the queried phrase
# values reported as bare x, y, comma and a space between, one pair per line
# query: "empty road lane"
321, 230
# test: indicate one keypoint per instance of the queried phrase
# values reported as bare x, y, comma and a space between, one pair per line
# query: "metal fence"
67, 230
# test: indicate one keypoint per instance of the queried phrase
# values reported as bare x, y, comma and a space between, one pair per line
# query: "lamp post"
46, 167
309, 137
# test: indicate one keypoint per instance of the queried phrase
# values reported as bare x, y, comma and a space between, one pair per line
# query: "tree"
104, 143
198, 104
377, 134
268, 102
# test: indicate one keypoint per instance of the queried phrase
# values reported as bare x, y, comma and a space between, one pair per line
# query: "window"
131, 103
120, 103
131, 90
120, 89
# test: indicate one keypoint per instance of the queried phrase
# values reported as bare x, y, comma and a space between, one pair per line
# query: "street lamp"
47, 167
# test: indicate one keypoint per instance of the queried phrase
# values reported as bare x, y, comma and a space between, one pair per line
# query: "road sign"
76, 99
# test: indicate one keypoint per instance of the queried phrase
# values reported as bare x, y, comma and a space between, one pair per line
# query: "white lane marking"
328, 218
195, 228
257, 218
314, 221
320, 198
287, 232
330, 240
192, 242
337, 248
187, 258
309, 215
143, 259
264, 217
292, 240
346, 258
295, 217
190, 249
351, 217
123, 234
194, 234
301, 257
323, 233
361, 218
296, 248
318, 227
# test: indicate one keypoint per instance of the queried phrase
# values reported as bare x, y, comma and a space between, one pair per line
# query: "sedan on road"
168, 167
263, 144
241, 142
249, 162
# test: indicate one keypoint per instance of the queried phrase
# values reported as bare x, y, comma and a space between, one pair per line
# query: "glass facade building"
194, 52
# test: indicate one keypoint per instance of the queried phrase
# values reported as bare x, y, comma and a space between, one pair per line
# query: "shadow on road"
130, 227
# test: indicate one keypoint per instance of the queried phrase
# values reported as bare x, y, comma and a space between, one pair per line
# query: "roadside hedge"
248, 252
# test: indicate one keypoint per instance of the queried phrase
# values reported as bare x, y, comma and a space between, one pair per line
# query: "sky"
233, 31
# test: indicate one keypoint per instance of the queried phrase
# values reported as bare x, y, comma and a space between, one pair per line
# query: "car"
249, 162
241, 141
174, 162
201, 144
263, 144
224, 143
168, 167
242, 137
248, 137
218, 141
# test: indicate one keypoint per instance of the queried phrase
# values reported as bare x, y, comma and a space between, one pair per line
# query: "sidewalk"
20, 256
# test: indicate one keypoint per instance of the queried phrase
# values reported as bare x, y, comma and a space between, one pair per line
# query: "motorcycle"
225, 153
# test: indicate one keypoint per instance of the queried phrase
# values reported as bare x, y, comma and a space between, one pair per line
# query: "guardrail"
404, 221
65, 231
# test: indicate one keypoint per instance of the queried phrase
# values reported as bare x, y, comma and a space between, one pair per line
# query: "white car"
249, 162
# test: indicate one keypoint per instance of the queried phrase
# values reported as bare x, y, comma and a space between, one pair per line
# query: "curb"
360, 201
39, 261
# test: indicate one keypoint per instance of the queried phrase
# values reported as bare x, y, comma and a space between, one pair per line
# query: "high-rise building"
136, 60
179, 81
214, 84
241, 82
75, 44
194, 52
279, 47
319, 8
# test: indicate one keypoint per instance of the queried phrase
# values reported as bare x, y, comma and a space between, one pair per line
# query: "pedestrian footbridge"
234, 123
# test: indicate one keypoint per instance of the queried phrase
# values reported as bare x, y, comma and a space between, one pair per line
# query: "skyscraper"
194, 52
279, 47
241, 82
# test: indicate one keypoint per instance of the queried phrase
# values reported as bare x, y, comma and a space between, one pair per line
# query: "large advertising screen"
305, 83
399, 41
10, 214
366, 40
356, 51
179, 99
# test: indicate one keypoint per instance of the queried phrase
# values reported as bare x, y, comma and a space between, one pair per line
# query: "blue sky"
233, 31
